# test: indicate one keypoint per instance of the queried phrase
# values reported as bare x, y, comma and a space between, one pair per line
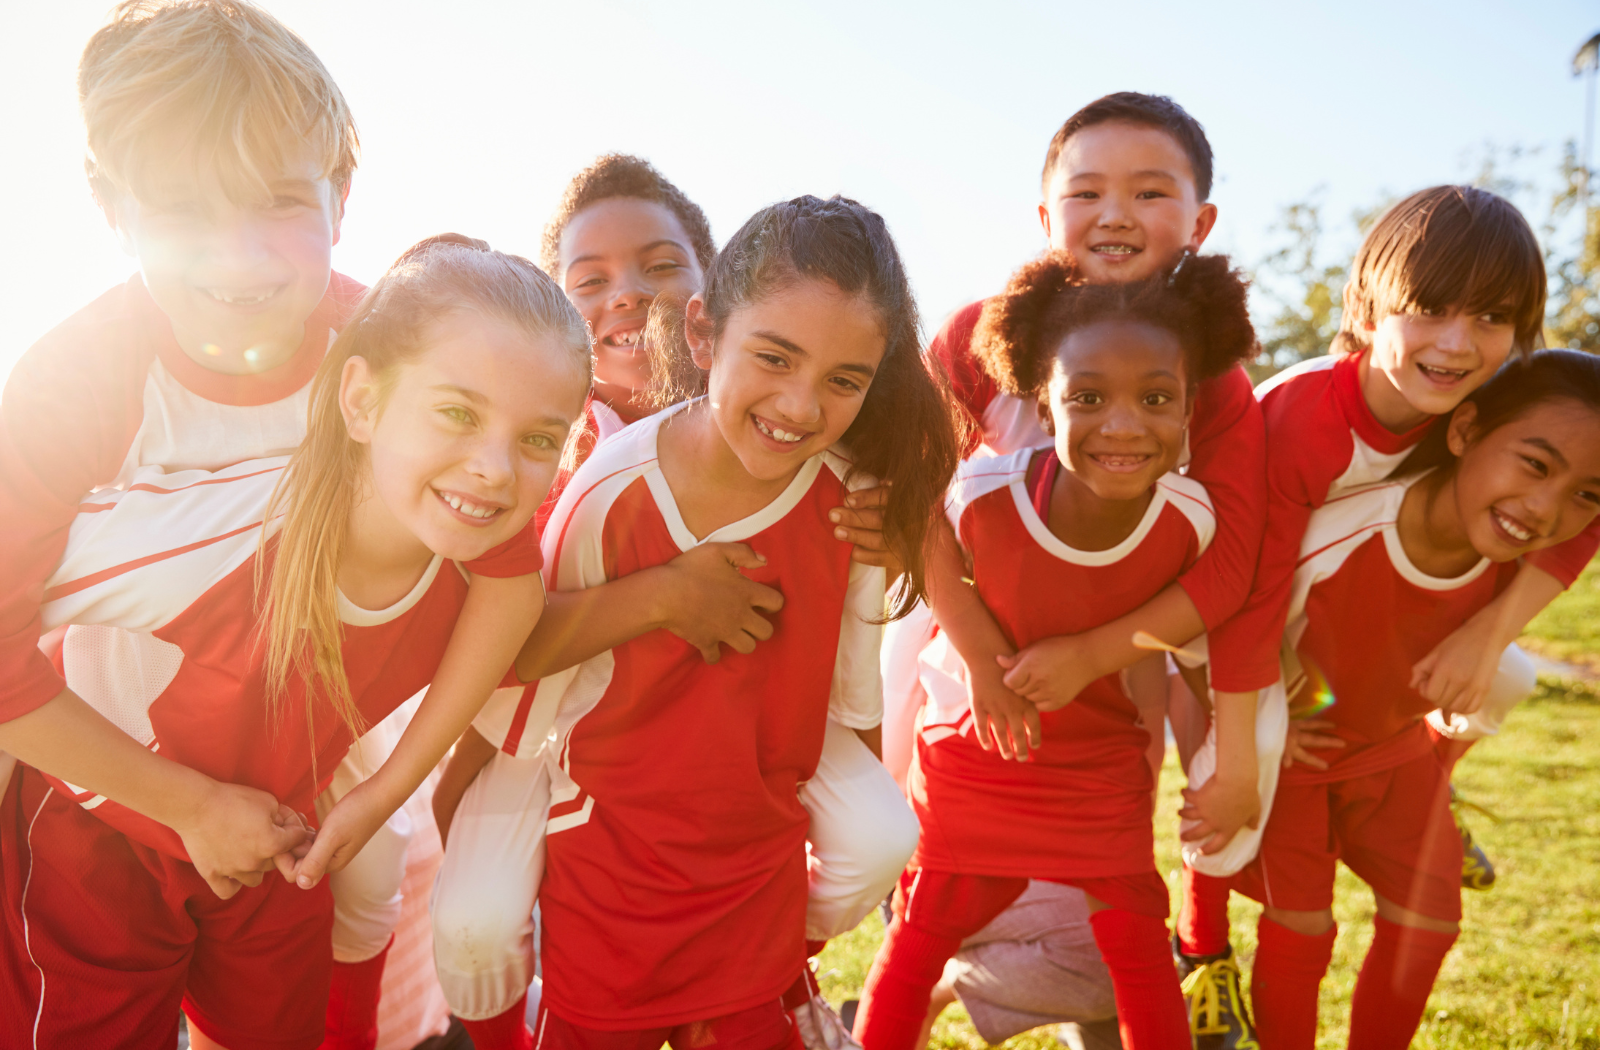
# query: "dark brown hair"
1443, 248
621, 175
1202, 302
1149, 111
1522, 384
905, 433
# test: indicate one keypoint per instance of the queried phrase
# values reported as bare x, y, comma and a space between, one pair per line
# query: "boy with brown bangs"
221, 151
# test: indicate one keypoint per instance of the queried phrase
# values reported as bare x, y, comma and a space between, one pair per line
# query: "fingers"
740, 642
285, 862
249, 878
738, 555
221, 885
309, 871
711, 653
757, 627
763, 597
878, 559
1002, 740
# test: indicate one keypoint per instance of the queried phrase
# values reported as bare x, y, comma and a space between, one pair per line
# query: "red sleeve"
69, 412
518, 556
1566, 560
971, 385
1227, 454
1307, 454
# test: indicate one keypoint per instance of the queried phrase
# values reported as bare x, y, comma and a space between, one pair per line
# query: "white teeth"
1449, 373
237, 300
1115, 249
625, 338
1518, 533
781, 435
469, 509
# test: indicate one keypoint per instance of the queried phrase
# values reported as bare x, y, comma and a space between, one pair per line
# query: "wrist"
662, 610
185, 798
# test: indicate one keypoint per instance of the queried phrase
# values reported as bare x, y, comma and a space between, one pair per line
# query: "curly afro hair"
622, 175
1202, 302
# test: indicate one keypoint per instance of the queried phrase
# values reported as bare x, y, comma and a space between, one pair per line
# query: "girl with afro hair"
1054, 541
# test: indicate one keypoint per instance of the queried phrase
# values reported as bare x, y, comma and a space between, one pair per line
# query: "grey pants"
1037, 964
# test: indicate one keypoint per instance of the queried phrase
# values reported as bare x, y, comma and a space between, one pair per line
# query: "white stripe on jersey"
977, 477
138, 557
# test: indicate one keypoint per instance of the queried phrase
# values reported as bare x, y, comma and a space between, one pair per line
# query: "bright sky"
474, 114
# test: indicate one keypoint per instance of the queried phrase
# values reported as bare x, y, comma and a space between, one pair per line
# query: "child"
1126, 181
1446, 285
1100, 516
1386, 572
622, 236
437, 421
673, 903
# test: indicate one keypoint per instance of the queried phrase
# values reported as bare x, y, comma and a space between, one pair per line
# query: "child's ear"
1204, 222
1046, 419
1463, 428
1044, 219
358, 399
696, 329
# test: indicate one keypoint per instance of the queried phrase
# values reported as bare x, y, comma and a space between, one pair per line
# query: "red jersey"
105, 393
166, 566
1325, 441
1361, 614
1225, 452
600, 421
1080, 807
675, 882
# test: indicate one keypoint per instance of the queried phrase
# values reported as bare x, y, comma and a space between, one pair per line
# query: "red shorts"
952, 904
1393, 828
105, 938
765, 1027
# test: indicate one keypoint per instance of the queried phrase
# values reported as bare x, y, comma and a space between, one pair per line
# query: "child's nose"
799, 403
1456, 334
1121, 421
631, 293
494, 462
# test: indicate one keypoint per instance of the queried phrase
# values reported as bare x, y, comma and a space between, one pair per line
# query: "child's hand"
1003, 721
860, 521
1313, 732
714, 604
237, 835
352, 821
1050, 673
471, 754
1456, 675
1220, 809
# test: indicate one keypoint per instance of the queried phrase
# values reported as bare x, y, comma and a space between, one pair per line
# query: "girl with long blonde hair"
294, 602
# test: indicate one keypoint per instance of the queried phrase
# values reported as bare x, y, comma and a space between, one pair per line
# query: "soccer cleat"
1218, 1019
1477, 871
821, 1027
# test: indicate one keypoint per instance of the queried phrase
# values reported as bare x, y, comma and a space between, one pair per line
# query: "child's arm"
700, 596
231, 833
1457, 674
472, 753
495, 621
1231, 799
1004, 721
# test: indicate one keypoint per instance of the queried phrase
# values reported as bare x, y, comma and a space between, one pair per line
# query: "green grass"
1526, 971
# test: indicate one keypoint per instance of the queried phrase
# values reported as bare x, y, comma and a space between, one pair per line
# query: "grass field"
1526, 972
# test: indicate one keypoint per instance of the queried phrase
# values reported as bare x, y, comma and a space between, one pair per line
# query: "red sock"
503, 1031
1203, 923
352, 1020
1284, 983
805, 986
1150, 1011
894, 1001
1395, 980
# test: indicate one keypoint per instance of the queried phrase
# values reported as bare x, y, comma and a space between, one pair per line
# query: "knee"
477, 931
1305, 923
1514, 682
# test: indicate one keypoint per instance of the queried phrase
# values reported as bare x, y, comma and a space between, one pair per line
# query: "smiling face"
466, 442
1424, 364
789, 373
1117, 406
616, 256
1122, 200
1530, 483
237, 281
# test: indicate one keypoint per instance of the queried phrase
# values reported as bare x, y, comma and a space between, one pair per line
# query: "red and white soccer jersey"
170, 561
600, 421
1361, 615
675, 885
104, 394
1325, 441
1225, 451
1080, 807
